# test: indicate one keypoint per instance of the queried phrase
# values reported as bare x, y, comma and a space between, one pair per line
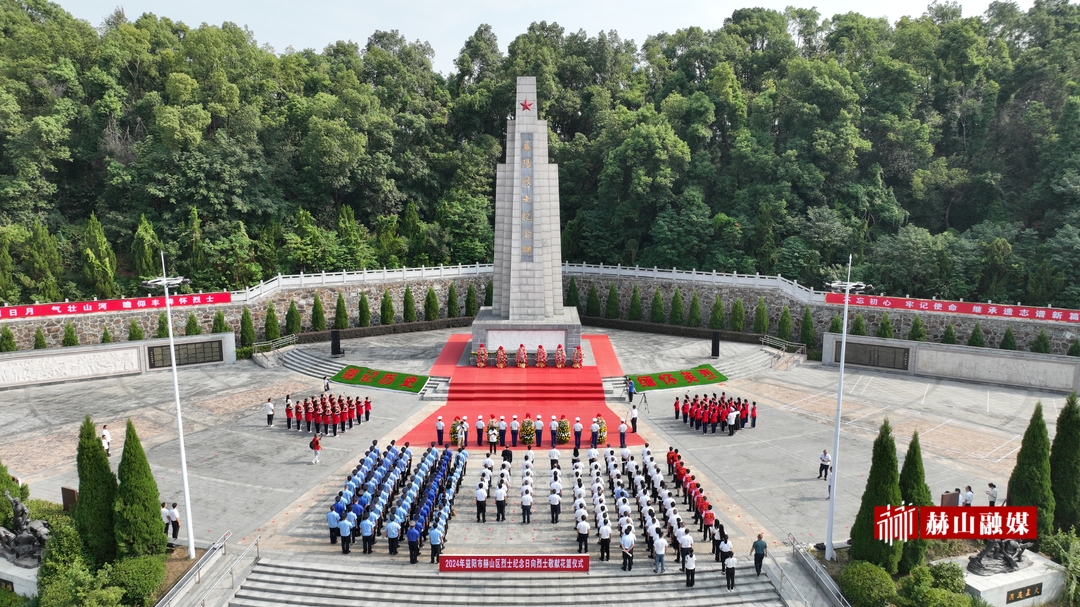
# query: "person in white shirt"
106, 439
538, 429
992, 494
481, 502
823, 466
555, 500
732, 416
622, 434
514, 428
500, 503
439, 427
269, 412
556, 486
592, 454
577, 432
594, 429
174, 520
526, 506
633, 418
969, 497
726, 550
553, 455
689, 565
729, 571
686, 545
583, 535
554, 427
165, 518
659, 548
604, 533
627, 545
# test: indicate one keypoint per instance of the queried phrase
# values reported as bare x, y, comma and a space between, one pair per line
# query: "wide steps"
271, 583
313, 365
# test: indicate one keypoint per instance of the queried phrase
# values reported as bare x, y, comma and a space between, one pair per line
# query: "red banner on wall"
112, 305
957, 307
514, 563
902, 523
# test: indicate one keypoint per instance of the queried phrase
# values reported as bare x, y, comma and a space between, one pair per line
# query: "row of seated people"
704, 412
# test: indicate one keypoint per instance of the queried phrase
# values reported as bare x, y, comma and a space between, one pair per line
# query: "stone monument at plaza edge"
527, 305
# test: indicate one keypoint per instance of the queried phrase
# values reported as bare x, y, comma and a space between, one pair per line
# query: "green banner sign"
700, 375
374, 378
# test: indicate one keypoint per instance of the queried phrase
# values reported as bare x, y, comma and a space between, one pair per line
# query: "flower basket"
601, 437
579, 358
562, 434
500, 358
541, 357
455, 429
560, 357
522, 357
527, 434
481, 356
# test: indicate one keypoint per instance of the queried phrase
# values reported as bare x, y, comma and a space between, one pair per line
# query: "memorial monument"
527, 306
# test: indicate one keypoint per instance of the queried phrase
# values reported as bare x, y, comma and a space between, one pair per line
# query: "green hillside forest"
942, 150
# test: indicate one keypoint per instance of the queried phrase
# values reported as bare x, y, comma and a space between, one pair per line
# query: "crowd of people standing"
703, 412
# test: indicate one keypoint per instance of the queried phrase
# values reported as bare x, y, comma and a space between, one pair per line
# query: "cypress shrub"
386, 309
70, 337
1074, 349
39, 340
592, 302
572, 297
716, 315
219, 325
693, 317
1029, 484
806, 329
1041, 343
135, 332
737, 318
247, 329
489, 293
408, 306
453, 309
139, 577
193, 327
272, 328
137, 520
949, 336
676, 315
867, 585
917, 332
364, 318
8, 484
656, 313
611, 306
836, 325
761, 317
1008, 341
977, 339
914, 491
858, 326
882, 489
636, 311
97, 495
292, 319
471, 306
162, 326
783, 326
885, 329
431, 305
105, 337
1065, 466
341, 313
318, 315
63, 550
7, 340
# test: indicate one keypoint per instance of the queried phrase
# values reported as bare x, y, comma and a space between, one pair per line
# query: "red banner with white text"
514, 563
902, 523
957, 307
111, 305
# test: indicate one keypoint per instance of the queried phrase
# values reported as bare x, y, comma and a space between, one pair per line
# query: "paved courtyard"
251, 479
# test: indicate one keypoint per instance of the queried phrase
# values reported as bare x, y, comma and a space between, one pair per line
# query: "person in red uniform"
744, 415
685, 409
288, 417
367, 409
708, 519
714, 417
753, 415
320, 418
335, 416
676, 407
309, 413
352, 412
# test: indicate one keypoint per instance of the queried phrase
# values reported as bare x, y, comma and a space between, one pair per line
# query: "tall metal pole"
179, 416
830, 554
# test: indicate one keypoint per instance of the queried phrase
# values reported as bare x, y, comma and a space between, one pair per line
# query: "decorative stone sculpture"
999, 556
25, 542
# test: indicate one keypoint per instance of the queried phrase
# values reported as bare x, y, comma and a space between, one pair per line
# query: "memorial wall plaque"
186, 354
871, 355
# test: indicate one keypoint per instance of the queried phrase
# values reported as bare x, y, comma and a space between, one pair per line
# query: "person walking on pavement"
825, 461
316, 446
760, 550
633, 419
269, 412
106, 439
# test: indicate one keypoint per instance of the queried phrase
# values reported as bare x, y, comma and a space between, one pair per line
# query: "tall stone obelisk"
527, 304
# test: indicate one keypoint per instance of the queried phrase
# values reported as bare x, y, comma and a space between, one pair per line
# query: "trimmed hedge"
866, 585
139, 577
401, 327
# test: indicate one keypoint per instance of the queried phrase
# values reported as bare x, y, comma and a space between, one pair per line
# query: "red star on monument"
526, 105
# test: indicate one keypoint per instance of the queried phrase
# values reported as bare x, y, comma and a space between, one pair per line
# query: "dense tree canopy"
942, 150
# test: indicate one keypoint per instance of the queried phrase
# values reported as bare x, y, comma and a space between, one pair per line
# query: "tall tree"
716, 315
783, 325
977, 339
917, 331
1030, 482
318, 315
858, 326
675, 316
341, 313
219, 325
144, 250
97, 496
656, 311
453, 309
272, 328
247, 329
592, 302
882, 489
949, 336
408, 306
292, 319
885, 329
386, 308
71, 338
635, 312
915, 492
137, 513
1065, 466
571, 298
192, 327
364, 312
471, 307
761, 317
611, 306
431, 305
693, 316
1008, 340
99, 261
7, 340
806, 329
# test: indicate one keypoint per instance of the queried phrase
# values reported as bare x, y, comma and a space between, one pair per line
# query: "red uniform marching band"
703, 412
328, 413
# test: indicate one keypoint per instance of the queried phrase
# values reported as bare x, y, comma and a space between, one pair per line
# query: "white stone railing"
791, 288
294, 281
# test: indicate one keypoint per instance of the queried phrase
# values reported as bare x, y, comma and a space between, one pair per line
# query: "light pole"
166, 281
847, 286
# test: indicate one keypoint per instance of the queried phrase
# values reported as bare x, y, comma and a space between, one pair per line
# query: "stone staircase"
747, 364
437, 388
292, 581
311, 364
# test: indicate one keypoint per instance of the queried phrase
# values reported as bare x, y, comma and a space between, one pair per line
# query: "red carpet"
512, 391
606, 361
451, 353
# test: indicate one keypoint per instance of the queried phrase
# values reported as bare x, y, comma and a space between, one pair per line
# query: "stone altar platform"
1039, 583
493, 331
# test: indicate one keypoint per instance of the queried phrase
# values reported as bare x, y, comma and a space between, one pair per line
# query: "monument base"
1041, 582
19, 580
493, 332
